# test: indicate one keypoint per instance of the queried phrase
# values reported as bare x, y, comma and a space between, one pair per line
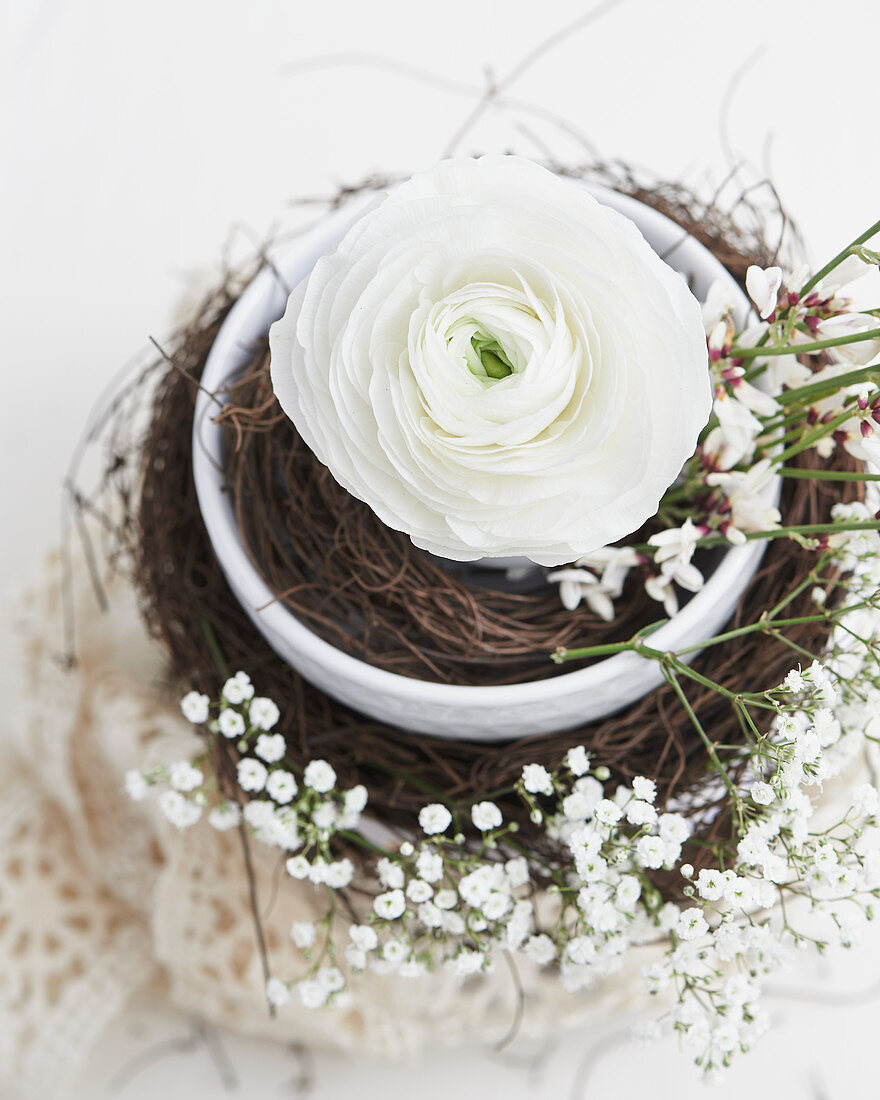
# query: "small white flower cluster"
182, 799
465, 887
302, 816
456, 900
736, 932
297, 814
733, 936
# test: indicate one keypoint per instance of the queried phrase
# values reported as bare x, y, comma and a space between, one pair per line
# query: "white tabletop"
822, 1047
138, 136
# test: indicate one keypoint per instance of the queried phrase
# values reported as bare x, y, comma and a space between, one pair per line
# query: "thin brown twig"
496, 87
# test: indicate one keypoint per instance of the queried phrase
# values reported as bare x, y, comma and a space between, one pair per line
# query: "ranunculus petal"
497, 364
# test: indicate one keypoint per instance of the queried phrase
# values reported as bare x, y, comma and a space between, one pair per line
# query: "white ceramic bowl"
477, 713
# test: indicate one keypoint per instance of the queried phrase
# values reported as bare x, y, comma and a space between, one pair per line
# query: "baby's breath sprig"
461, 888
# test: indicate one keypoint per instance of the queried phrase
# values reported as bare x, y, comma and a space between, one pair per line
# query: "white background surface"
135, 136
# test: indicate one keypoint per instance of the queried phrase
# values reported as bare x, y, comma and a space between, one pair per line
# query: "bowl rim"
249, 587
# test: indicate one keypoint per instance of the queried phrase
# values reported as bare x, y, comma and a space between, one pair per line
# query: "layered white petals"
734, 438
763, 286
497, 364
749, 511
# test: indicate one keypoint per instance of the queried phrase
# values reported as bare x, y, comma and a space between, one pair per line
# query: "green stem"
767, 624
563, 654
412, 779
805, 653
808, 439
214, 646
812, 578
710, 748
736, 698
784, 420
808, 529
839, 258
804, 349
801, 474
805, 529
357, 838
762, 626
815, 390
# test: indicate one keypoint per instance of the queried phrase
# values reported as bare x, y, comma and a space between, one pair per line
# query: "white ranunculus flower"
497, 364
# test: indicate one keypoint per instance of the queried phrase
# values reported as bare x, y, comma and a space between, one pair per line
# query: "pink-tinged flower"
754, 399
676, 542
733, 440
748, 509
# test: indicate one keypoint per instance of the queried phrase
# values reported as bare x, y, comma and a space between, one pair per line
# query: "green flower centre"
489, 359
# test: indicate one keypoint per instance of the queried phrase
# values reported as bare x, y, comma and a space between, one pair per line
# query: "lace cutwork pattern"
100, 897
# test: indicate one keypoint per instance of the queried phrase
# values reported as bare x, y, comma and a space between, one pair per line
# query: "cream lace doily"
100, 897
